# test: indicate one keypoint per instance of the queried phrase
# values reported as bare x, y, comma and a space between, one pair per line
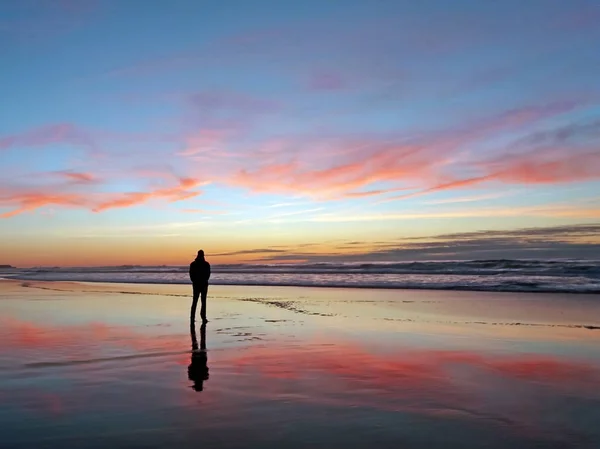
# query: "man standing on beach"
199, 275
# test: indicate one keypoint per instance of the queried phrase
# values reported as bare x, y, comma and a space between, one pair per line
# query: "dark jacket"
200, 271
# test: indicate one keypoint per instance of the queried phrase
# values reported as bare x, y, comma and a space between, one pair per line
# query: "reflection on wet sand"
81, 371
411, 379
198, 368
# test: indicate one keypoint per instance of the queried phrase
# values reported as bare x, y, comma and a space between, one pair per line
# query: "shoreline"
487, 308
328, 286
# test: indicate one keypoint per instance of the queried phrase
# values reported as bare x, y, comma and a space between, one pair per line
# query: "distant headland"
6, 266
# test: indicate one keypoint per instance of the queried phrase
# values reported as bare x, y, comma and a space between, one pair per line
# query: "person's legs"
196, 294
203, 294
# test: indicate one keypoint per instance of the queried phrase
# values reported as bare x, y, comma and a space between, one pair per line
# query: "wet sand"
116, 365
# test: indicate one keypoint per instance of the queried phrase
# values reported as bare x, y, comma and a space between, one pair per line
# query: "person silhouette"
199, 275
198, 368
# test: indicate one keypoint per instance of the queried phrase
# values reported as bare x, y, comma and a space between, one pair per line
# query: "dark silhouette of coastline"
198, 368
199, 275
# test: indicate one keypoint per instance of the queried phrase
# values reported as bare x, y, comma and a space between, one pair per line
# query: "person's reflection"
198, 368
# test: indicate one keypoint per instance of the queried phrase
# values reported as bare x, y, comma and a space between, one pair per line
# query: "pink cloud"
324, 167
377, 192
458, 184
79, 177
60, 133
514, 119
432, 162
547, 166
203, 141
531, 114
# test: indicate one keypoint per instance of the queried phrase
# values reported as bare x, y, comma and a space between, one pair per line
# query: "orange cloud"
178, 193
333, 169
417, 165
34, 200
28, 201
328, 168
373, 164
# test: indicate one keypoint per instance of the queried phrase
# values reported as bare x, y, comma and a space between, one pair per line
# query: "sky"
136, 132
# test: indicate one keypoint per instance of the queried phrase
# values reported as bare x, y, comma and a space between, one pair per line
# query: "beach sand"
112, 365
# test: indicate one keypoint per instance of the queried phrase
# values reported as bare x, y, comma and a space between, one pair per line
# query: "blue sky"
134, 132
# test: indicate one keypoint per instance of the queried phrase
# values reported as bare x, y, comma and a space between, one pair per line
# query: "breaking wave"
577, 276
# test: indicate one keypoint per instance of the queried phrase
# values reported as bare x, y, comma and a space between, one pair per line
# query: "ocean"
567, 276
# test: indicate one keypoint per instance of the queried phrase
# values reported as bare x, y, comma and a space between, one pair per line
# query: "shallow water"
92, 365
